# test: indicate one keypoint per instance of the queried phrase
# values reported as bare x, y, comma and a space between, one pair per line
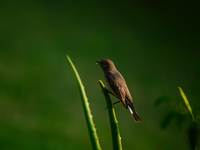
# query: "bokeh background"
154, 44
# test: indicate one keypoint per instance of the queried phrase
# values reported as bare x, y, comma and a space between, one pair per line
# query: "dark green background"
154, 44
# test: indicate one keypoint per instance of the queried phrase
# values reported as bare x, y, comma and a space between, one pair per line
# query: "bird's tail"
134, 114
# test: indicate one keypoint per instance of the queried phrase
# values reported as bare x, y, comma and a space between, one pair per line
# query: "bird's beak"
98, 62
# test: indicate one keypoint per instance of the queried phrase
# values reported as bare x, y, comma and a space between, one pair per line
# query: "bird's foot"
113, 104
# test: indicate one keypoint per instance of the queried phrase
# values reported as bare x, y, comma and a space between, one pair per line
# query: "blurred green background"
154, 44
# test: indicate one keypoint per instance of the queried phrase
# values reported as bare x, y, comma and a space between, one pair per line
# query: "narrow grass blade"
162, 99
116, 139
187, 103
91, 126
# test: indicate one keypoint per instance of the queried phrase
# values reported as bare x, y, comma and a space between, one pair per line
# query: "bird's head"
106, 65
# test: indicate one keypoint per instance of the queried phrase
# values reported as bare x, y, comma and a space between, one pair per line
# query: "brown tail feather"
134, 114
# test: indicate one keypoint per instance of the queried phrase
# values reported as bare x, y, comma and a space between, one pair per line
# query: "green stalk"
116, 139
91, 126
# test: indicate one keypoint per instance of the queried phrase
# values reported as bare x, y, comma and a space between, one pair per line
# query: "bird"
117, 86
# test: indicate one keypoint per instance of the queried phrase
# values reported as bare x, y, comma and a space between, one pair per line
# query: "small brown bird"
117, 86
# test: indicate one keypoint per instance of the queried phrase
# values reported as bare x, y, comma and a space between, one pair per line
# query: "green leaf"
180, 119
116, 139
187, 103
162, 99
167, 119
91, 126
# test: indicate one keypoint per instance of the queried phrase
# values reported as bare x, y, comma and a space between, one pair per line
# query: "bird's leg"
107, 92
111, 93
113, 104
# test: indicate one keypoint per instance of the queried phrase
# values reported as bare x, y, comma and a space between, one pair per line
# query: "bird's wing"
117, 88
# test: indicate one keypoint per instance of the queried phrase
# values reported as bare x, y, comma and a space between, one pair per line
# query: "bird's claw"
107, 107
113, 104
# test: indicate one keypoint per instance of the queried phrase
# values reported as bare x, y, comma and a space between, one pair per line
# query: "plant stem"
91, 126
116, 139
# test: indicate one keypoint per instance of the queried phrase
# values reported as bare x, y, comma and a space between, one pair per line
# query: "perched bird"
117, 86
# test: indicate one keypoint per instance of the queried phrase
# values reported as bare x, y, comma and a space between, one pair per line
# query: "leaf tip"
67, 57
